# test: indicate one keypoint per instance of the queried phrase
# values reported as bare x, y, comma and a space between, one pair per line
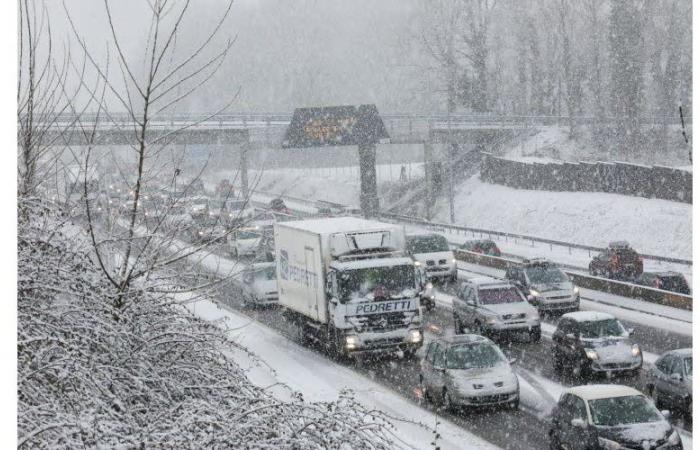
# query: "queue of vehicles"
357, 287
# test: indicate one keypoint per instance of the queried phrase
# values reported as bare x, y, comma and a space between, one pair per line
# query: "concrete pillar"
369, 201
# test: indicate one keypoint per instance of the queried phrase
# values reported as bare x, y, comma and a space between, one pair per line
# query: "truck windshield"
545, 275
266, 274
389, 280
427, 244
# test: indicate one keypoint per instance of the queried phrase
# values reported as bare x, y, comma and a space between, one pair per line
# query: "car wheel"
536, 336
459, 328
515, 404
479, 329
424, 390
554, 441
654, 394
447, 402
558, 366
453, 278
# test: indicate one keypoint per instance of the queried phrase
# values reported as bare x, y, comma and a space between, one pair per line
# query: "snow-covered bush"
147, 375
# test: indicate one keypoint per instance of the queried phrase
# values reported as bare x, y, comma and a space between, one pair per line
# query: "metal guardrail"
463, 229
647, 294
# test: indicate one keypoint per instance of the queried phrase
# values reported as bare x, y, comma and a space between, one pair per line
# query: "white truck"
347, 284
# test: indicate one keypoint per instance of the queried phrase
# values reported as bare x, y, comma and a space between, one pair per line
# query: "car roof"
619, 244
588, 316
668, 273
423, 235
464, 339
487, 282
598, 391
682, 352
537, 261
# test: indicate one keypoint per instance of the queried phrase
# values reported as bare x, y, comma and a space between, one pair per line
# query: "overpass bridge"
267, 129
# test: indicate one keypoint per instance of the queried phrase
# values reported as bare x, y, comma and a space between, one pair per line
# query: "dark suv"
668, 281
588, 342
545, 285
618, 261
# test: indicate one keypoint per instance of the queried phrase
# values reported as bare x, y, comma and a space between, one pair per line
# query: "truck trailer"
347, 283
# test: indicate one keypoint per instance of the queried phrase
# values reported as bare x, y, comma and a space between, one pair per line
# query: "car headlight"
454, 260
591, 354
492, 320
534, 293
576, 290
415, 336
429, 285
674, 438
416, 263
351, 342
607, 444
636, 351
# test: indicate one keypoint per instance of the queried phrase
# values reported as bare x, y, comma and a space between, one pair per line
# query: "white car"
432, 252
244, 242
490, 306
259, 283
468, 370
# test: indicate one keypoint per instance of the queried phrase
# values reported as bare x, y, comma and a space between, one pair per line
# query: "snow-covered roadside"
284, 363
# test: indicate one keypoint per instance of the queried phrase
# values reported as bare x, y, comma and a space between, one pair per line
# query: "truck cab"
348, 284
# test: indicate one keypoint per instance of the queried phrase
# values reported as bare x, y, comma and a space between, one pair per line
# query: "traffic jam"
370, 294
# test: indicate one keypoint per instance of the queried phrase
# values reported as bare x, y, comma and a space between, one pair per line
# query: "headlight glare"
534, 293
416, 336
576, 290
416, 263
591, 354
636, 351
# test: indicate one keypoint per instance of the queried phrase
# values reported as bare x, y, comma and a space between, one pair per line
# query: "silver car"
259, 284
490, 306
546, 286
468, 370
669, 381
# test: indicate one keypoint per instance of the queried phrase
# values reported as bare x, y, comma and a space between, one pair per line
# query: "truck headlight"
351, 342
591, 354
636, 351
415, 336
607, 444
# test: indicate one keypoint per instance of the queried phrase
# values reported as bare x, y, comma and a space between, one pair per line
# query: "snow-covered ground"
280, 362
652, 226
335, 184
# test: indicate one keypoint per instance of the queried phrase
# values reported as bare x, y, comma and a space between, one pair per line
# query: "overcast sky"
287, 54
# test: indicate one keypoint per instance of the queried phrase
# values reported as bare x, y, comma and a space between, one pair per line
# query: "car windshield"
247, 235
357, 283
545, 274
427, 244
688, 363
235, 205
266, 274
498, 296
610, 412
673, 283
601, 328
474, 356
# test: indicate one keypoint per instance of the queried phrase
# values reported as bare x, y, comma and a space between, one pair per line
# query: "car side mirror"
578, 423
676, 377
666, 413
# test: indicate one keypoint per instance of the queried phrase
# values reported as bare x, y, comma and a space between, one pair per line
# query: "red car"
483, 246
618, 261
